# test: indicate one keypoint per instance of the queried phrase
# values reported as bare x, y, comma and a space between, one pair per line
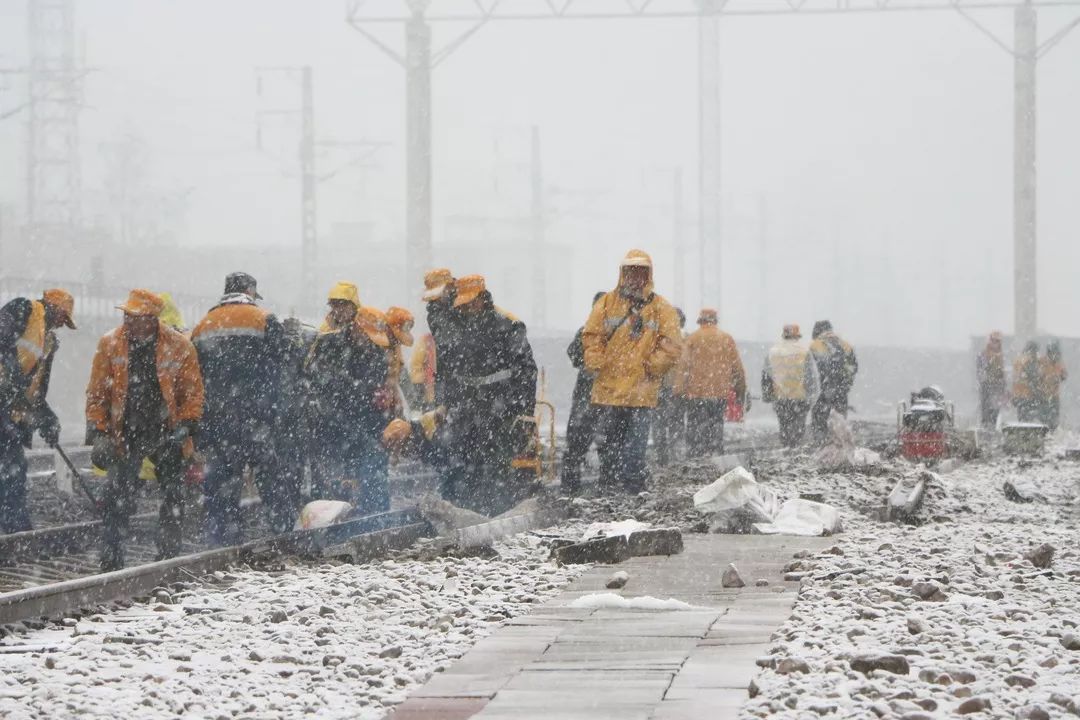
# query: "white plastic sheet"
321, 513
802, 517
736, 501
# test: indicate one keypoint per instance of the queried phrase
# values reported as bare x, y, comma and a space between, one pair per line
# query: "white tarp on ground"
841, 453
739, 504
802, 517
736, 502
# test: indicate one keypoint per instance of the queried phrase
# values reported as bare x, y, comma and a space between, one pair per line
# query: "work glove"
182, 432
48, 426
383, 399
103, 454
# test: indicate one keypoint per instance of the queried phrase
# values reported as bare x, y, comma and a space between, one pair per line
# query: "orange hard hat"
469, 288
63, 301
373, 323
401, 321
435, 282
143, 302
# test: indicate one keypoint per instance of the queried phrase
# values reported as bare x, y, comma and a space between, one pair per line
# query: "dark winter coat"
30, 409
583, 386
241, 350
445, 325
495, 369
342, 373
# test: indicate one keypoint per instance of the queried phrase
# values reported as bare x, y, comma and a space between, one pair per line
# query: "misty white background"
878, 147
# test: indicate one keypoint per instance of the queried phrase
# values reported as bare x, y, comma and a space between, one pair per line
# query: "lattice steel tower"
54, 83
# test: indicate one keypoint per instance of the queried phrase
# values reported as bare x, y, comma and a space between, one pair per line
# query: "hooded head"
792, 332
708, 316
1031, 347
820, 328
636, 274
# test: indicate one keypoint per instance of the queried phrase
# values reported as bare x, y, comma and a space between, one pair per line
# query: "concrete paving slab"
416, 708
562, 662
463, 685
726, 667
533, 679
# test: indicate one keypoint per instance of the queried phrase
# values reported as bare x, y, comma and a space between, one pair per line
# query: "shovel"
78, 476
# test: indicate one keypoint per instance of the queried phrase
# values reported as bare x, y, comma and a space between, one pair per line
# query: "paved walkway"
560, 662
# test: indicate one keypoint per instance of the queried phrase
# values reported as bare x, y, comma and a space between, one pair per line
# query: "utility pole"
1025, 265
307, 296
763, 266
709, 211
677, 238
308, 228
54, 86
539, 255
418, 202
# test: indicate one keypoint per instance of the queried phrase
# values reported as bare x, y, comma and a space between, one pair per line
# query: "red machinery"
924, 425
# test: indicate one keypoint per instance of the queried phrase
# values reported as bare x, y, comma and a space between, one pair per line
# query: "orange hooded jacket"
710, 368
178, 373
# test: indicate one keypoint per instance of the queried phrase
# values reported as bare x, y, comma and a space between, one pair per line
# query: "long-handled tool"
79, 477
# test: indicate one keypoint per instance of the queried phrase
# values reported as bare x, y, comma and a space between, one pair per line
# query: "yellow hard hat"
345, 291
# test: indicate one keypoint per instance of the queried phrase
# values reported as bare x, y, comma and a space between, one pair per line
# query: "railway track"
51, 571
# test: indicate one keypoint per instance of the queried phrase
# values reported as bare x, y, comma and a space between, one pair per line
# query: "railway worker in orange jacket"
711, 370
241, 349
28, 345
145, 399
1026, 381
1052, 375
631, 340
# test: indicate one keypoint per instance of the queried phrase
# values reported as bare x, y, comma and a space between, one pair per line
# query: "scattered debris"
731, 577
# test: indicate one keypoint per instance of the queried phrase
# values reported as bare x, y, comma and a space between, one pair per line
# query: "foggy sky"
879, 147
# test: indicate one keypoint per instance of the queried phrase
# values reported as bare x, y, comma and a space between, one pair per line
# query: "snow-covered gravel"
332, 640
941, 618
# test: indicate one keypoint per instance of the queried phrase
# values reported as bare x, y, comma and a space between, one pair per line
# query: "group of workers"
243, 392
636, 369
1036, 383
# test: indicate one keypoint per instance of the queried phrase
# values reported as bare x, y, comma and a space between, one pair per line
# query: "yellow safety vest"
31, 346
787, 362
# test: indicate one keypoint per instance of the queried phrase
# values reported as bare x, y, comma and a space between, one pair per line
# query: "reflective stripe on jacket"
241, 349
177, 371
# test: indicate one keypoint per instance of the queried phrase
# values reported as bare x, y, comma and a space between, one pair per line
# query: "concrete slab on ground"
565, 662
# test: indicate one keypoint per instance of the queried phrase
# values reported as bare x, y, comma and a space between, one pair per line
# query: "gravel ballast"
971, 611
333, 640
